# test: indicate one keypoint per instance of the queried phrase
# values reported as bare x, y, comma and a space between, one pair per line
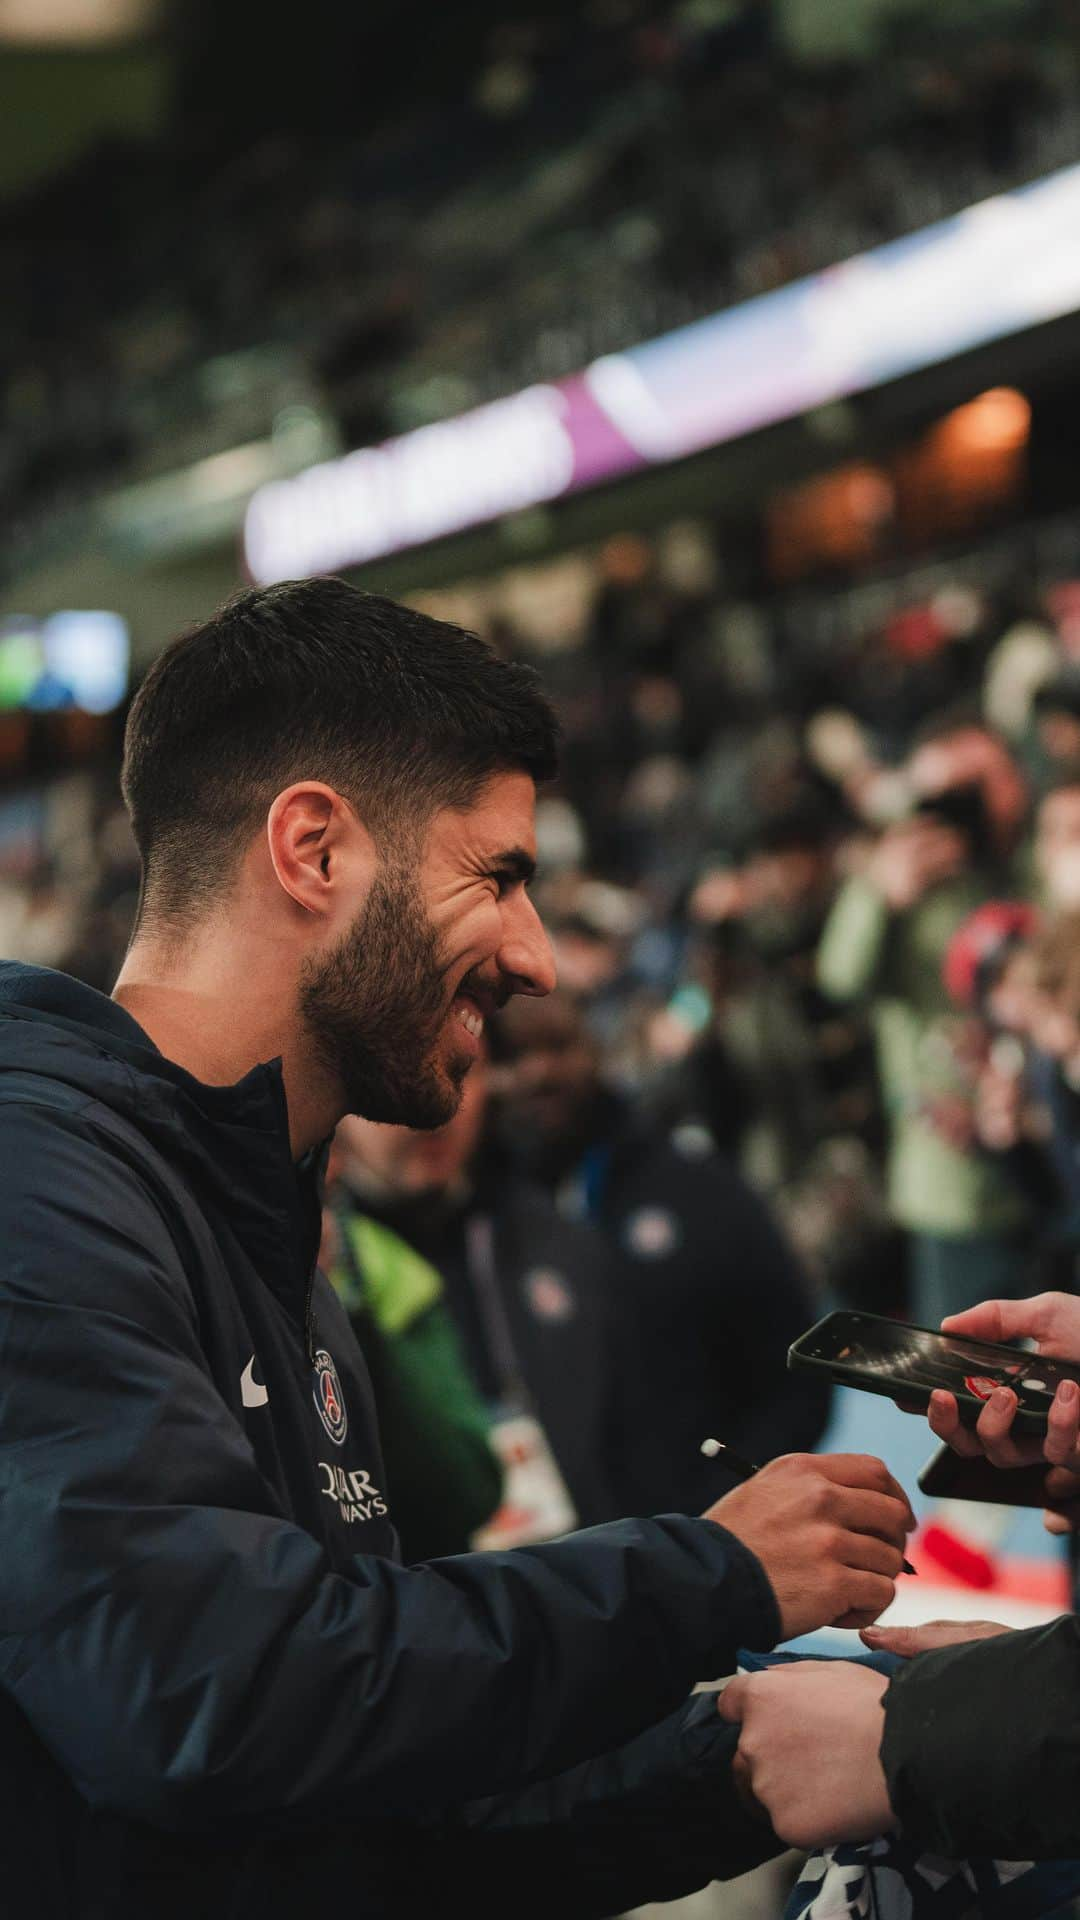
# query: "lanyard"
355, 1292
494, 1319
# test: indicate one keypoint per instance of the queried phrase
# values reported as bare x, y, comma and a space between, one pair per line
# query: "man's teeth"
471, 1020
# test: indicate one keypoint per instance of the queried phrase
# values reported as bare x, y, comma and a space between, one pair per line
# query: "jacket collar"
231, 1143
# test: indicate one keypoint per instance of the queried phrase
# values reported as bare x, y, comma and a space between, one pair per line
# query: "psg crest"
329, 1398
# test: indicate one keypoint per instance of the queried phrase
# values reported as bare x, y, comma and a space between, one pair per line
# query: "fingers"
994, 1431
944, 1417
874, 1513
927, 1637
865, 1596
1062, 1487
863, 1470
742, 1775
1063, 1490
992, 1435
902, 1640
1000, 1320
731, 1704
869, 1553
1063, 1426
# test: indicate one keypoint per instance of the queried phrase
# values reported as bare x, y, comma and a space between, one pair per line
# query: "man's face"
551, 1075
396, 1009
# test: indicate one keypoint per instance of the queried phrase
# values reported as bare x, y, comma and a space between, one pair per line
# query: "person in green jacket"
885, 942
445, 1476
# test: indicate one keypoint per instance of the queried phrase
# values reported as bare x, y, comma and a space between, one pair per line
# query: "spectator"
886, 941
444, 1479
709, 1295
839, 1753
530, 1298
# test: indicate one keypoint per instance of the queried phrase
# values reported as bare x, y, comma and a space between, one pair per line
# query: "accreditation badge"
536, 1503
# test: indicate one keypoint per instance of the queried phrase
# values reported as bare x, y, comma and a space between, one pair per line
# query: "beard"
375, 1006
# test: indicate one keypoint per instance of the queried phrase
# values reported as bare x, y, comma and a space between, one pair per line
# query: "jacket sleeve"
186, 1652
655, 1820
854, 945
981, 1747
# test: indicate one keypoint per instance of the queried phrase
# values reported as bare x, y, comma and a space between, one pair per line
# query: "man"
222, 1693
709, 1295
974, 1748
443, 1475
532, 1303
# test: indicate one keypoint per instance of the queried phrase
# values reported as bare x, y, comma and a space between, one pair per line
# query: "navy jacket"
557, 1325
220, 1693
710, 1295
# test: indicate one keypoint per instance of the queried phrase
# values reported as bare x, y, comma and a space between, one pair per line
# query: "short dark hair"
313, 679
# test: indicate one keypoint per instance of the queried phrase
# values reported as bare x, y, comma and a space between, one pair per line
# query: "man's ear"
322, 854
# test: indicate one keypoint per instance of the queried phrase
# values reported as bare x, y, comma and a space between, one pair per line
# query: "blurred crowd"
812, 874
613, 170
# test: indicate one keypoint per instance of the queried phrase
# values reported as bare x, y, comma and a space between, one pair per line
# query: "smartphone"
947, 1477
907, 1363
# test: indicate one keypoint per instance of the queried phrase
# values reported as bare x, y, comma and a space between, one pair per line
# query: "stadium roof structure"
1002, 266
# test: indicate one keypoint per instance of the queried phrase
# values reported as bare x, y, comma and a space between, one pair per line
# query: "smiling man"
220, 1691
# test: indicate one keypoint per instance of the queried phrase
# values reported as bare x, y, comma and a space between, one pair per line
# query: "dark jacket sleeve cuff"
981, 1748
746, 1597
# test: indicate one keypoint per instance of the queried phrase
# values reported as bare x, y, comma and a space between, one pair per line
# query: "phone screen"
899, 1356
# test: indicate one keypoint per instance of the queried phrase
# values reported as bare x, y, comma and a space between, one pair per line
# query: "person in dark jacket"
221, 1692
973, 1748
709, 1294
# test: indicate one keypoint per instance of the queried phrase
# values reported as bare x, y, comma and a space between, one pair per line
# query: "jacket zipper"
309, 1313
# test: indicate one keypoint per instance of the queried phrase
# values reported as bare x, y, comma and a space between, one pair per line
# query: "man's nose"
526, 953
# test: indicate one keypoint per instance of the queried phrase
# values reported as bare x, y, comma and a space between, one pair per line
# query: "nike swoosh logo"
251, 1393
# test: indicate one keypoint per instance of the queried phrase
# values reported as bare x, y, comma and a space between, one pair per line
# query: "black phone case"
947, 1477
1025, 1420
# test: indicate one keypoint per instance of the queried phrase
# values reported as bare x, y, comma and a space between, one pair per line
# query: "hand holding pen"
741, 1468
828, 1529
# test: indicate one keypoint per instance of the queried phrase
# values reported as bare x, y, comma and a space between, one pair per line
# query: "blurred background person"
709, 1296
530, 1302
434, 1423
886, 941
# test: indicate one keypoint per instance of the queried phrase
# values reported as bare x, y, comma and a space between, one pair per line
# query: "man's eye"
508, 879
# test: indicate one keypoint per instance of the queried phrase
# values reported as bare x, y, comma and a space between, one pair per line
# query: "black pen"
744, 1469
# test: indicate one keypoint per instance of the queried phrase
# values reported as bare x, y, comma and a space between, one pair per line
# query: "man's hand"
929, 1636
808, 1749
912, 857
829, 1530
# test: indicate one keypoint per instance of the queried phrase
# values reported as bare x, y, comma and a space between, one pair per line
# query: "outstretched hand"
929, 1636
829, 1531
